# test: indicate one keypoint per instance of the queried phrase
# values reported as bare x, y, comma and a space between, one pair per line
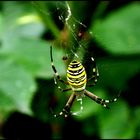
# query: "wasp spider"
77, 80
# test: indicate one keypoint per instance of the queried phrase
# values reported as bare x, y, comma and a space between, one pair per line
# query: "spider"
77, 80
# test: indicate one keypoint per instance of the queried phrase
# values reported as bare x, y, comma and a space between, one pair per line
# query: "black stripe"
51, 53
54, 69
73, 65
77, 80
75, 72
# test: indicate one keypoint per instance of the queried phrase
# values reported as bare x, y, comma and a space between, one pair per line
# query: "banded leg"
66, 109
95, 75
61, 89
99, 100
57, 76
54, 69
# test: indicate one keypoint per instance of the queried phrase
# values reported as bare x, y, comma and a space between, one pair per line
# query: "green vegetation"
27, 29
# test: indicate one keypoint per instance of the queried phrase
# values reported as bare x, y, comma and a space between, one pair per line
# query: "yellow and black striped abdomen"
76, 76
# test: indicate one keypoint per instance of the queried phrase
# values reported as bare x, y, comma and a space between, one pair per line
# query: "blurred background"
109, 31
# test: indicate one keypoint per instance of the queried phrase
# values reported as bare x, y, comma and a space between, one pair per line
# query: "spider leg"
99, 100
66, 109
95, 75
59, 87
57, 76
54, 69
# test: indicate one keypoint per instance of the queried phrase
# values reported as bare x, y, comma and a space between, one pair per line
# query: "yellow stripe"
75, 84
76, 76
76, 80
78, 89
74, 69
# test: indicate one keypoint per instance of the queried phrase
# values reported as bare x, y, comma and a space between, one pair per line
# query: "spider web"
77, 41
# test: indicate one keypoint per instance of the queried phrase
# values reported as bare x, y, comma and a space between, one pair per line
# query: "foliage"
26, 76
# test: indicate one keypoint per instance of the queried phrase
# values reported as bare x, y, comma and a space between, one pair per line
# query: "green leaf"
16, 87
119, 32
115, 72
136, 118
20, 20
20, 41
13, 10
116, 123
1, 25
34, 55
33, 29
